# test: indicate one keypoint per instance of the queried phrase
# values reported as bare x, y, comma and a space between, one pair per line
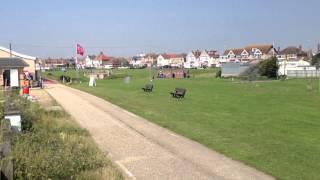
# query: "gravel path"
142, 149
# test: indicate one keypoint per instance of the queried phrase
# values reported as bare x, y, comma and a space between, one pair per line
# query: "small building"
31, 61
231, 69
11, 72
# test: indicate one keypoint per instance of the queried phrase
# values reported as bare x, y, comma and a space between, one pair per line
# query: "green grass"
53, 146
273, 126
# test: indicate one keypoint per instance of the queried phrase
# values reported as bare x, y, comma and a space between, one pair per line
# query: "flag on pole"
80, 50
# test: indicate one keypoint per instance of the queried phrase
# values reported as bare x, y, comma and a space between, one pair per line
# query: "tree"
269, 68
315, 60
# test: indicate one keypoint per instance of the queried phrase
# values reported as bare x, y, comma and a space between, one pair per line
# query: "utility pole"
10, 47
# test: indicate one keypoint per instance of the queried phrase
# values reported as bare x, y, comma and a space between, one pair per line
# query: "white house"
162, 61
193, 60
209, 59
249, 53
173, 60
88, 61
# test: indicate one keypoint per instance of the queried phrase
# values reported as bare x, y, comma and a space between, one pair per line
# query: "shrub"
218, 73
53, 149
269, 68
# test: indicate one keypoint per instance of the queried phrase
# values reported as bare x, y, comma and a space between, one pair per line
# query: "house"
293, 54
12, 71
88, 61
56, 62
234, 55
143, 60
193, 59
30, 60
209, 58
172, 60
249, 53
261, 52
103, 61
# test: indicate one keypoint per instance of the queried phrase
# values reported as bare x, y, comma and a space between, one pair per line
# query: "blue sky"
127, 27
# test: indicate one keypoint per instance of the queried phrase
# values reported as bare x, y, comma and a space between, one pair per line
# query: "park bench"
148, 88
178, 93
64, 78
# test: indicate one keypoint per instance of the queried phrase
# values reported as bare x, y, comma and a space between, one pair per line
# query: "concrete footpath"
142, 149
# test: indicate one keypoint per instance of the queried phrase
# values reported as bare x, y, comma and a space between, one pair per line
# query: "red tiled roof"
170, 56
103, 57
196, 53
265, 49
212, 53
237, 52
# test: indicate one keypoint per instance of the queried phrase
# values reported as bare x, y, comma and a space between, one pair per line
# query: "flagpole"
77, 69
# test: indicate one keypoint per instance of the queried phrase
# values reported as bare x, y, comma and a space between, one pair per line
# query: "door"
6, 78
14, 78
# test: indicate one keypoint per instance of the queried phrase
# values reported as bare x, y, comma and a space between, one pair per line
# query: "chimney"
318, 47
300, 47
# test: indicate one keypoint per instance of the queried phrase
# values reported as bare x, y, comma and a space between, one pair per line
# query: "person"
173, 75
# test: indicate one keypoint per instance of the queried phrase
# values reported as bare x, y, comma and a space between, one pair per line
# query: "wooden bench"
65, 79
148, 88
178, 93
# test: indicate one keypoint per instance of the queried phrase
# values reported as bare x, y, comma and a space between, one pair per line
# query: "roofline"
18, 54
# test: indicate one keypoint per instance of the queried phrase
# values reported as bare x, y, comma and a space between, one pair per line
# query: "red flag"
80, 50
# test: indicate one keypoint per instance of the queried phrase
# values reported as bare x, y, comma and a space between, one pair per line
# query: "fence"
303, 73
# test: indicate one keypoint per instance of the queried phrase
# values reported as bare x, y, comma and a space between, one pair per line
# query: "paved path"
142, 149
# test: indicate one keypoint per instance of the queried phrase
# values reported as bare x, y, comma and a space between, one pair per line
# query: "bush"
269, 68
53, 149
45, 155
218, 73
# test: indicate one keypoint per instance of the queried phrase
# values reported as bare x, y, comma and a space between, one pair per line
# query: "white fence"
303, 73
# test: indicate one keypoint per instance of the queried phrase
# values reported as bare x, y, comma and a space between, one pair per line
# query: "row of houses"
90, 61
211, 58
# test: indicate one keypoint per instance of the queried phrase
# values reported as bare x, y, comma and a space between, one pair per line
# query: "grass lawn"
273, 126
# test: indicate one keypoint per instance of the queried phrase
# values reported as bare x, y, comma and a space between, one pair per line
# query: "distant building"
249, 53
56, 62
143, 60
287, 67
103, 61
231, 69
293, 54
193, 59
209, 58
172, 60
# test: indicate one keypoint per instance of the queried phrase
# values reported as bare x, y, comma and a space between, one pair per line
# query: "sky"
52, 28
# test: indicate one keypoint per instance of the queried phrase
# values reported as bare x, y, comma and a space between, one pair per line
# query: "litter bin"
25, 91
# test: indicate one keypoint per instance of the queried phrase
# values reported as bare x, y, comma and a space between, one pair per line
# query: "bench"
178, 93
65, 79
148, 88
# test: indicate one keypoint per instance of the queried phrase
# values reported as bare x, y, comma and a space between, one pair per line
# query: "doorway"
6, 78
